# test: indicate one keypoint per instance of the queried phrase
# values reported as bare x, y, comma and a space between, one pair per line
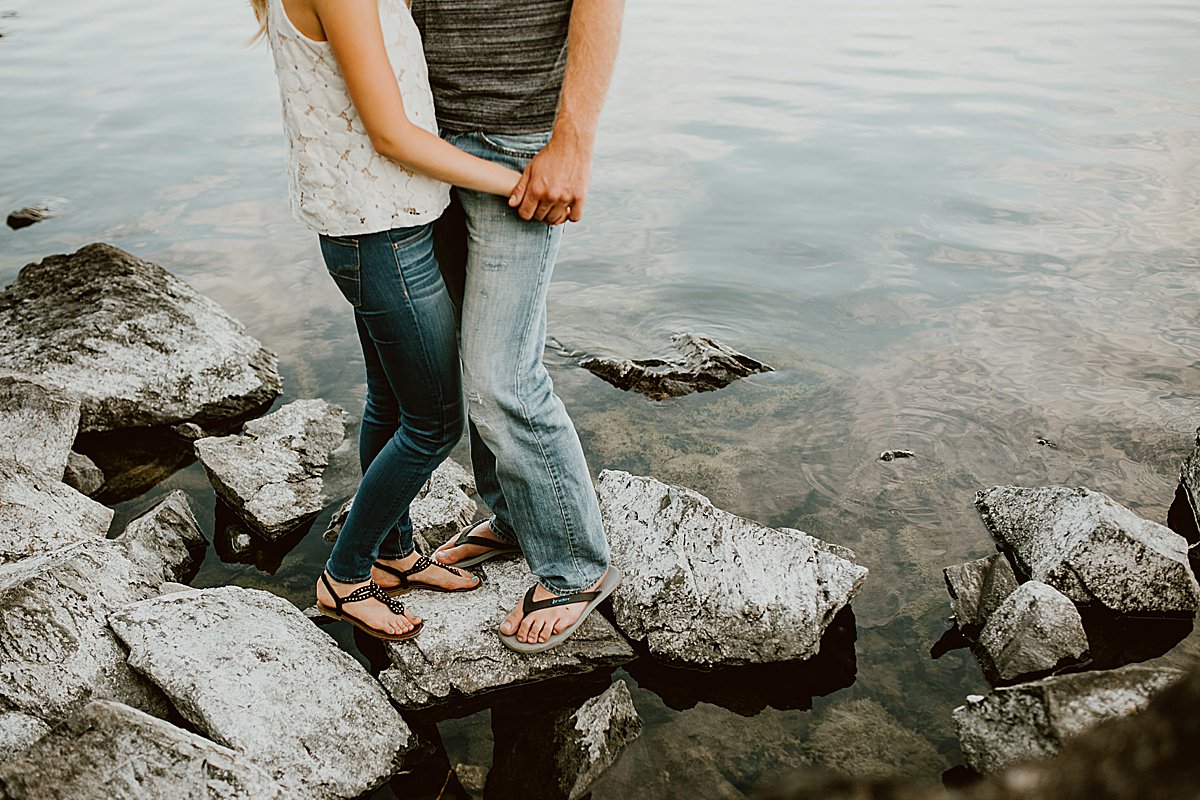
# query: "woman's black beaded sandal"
423, 563
368, 592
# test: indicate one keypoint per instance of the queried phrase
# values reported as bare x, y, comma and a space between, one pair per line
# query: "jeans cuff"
561, 591
502, 530
340, 579
411, 549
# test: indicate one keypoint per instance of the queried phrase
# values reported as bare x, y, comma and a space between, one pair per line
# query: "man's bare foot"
451, 579
541, 624
372, 612
449, 553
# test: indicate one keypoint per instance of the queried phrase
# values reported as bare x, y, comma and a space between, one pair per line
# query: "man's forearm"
593, 37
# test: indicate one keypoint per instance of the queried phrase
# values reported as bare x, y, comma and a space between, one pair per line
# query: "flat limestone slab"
38, 424
1033, 720
39, 514
1092, 549
459, 653
113, 752
250, 671
270, 474
135, 344
705, 587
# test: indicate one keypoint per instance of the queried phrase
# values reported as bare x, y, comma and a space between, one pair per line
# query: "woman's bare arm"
354, 34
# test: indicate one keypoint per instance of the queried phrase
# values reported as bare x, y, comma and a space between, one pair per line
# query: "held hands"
554, 185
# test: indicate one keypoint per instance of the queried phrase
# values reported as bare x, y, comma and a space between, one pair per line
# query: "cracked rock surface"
270, 474
59, 653
250, 671
459, 652
110, 750
704, 366
705, 587
39, 514
1092, 549
135, 344
1033, 720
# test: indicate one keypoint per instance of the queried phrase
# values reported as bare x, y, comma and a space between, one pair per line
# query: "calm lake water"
952, 228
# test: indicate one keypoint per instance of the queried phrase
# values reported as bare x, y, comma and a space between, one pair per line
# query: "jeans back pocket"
341, 259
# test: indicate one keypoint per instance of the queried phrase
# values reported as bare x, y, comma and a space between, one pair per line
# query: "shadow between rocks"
748, 690
135, 460
235, 543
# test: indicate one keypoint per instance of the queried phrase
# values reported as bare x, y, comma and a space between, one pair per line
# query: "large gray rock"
1034, 630
270, 474
162, 541
248, 670
113, 752
558, 754
59, 653
135, 344
39, 514
705, 365
705, 587
977, 588
459, 652
17, 731
1091, 549
82, 474
440, 510
37, 424
1033, 720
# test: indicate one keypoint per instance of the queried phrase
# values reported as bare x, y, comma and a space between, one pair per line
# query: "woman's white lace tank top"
339, 185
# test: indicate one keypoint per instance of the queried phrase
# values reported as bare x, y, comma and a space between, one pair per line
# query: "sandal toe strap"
530, 605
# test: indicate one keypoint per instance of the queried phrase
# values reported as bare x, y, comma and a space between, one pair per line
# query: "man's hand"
554, 185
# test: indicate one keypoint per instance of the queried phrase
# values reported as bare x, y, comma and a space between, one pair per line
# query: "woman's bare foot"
451, 578
541, 624
450, 554
372, 612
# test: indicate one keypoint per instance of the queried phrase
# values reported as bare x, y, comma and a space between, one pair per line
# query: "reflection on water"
952, 228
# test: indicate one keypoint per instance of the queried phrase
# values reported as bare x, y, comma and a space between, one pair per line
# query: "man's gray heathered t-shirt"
495, 65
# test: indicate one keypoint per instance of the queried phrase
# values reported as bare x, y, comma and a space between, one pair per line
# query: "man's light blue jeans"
528, 462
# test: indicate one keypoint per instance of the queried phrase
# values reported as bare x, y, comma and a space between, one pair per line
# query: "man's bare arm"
556, 181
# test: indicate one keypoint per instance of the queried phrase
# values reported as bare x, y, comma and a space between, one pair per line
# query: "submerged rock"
1034, 630
30, 215
558, 756
17, 731
246, 668
1033, 720
705, 587
164, 539
135, 344
113, 751
459, 652
1092, 549
37, 424
270, 474
82, 474
706, 365
59, 653
38, 514
977, 588
440, 510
